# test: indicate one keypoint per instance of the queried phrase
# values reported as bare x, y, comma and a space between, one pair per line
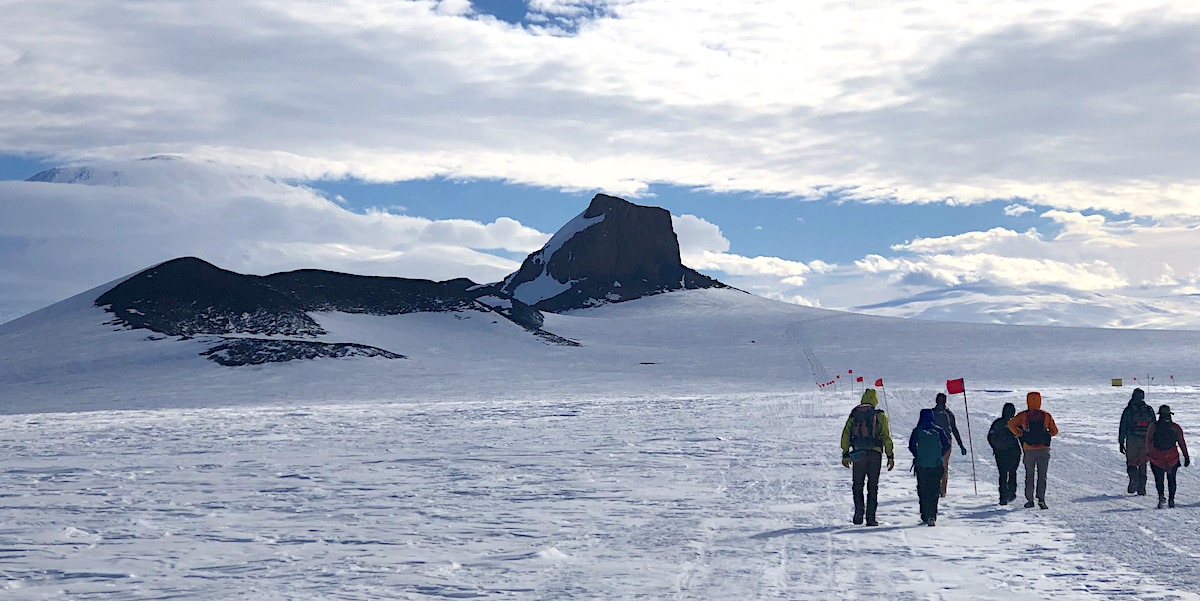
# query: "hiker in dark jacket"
1007, 450
943, 417
1131, 439
1164, 440
866, 438
1035, 428
929, 444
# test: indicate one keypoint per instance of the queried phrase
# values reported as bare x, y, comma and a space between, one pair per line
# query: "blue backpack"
929, 448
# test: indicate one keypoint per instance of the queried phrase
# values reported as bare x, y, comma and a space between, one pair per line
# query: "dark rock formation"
614, 251
190, 297
234, 352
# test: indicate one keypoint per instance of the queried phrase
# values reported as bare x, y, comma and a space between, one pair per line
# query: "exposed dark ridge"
319, 290
188, 297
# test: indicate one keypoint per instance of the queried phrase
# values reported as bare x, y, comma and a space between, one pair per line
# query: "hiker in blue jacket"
929, 445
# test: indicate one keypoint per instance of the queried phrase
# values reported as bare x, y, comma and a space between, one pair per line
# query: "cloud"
1079, 106
1090, 253
59, 239
1016, 210
702, 246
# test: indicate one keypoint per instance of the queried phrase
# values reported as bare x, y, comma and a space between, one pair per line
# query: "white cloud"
1079, 105
60, 239
1016, 210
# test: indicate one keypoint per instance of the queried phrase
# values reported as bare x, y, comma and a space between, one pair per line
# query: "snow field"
716, 496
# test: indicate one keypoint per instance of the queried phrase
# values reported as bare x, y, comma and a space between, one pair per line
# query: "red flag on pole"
879, 382
955, 386
839, 376
858, 379
849, 371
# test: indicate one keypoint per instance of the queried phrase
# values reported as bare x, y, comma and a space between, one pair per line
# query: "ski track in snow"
700, 497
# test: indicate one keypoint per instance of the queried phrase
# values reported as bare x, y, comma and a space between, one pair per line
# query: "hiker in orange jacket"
1035, 428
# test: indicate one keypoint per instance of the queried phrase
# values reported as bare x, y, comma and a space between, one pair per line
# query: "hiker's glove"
1187, 461
962, 450
1122, 446
845, 461
891, 462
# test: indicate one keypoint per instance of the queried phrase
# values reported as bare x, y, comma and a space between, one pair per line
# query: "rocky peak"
614, 251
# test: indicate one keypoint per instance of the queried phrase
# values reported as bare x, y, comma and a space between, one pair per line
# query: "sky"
1016, 162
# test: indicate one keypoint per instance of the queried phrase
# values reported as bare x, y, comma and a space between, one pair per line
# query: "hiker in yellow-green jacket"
865, 440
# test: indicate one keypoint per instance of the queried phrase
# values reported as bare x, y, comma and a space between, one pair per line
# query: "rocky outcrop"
613, 251
232, 352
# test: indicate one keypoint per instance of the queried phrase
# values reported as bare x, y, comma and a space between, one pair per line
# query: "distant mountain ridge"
614, 251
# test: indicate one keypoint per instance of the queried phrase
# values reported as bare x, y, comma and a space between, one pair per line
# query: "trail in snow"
696, 497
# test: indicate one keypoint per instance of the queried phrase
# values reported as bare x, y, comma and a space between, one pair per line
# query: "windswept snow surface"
702, 497
683, 452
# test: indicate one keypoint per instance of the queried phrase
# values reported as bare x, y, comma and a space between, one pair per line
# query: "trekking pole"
970, 440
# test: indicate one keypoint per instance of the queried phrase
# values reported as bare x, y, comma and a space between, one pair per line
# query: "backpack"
1164, 436
929, 448
1139, 421
1035, 429
941, 419
864, 428
1001, 438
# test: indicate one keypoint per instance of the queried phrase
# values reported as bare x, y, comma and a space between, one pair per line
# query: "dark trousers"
1170, 476
1006, 463
866, 471
1135, 462
929, 487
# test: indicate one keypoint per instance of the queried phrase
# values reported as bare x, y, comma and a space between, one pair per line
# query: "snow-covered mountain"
1043, 305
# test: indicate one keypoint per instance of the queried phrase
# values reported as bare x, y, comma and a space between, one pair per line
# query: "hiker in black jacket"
1131, 439
1007, 449
943, 418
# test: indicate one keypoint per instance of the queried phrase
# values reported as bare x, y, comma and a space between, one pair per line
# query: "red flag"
879, 382
839, 376
859, 379
849, 371
955, 386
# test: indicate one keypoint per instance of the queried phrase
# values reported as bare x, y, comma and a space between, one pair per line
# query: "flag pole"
970, 440
885, 407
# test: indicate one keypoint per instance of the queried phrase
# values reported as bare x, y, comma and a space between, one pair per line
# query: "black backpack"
1001, 438
1164, 436
864, 428
1035, 429
1140, 419
941, 419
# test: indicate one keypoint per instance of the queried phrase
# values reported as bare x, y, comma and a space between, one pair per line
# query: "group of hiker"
1015, 438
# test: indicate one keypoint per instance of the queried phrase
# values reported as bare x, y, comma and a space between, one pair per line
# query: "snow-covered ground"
701, 497
682, 452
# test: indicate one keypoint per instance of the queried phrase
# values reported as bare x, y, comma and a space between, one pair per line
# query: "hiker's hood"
1033, 400
870, 398
1138, 398
925, 421
1008, 411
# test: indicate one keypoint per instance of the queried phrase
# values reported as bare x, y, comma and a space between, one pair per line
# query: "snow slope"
682, 452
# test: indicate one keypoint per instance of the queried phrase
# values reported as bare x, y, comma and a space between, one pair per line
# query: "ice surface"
682, 452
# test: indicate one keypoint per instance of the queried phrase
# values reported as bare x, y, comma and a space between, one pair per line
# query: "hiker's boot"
872, 522
1042, 504
1171, 502
1162, 501
1141, 487
858, 518
1028, 504
1131, 471
932, 521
